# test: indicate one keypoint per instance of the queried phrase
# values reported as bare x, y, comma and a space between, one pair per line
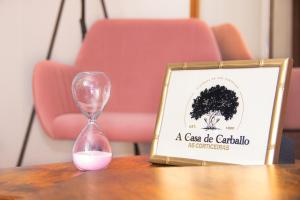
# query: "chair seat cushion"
130, 127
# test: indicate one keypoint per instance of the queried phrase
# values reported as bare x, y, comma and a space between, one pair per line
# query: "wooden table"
17, 183
136, 178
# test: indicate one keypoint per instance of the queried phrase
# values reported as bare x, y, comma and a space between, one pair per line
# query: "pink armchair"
133, 53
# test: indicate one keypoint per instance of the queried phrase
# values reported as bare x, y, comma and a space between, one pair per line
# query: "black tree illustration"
213, 102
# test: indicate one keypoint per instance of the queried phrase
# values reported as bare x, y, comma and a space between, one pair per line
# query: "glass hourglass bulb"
91, 91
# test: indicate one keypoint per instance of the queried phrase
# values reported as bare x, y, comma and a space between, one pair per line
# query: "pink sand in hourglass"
91, 160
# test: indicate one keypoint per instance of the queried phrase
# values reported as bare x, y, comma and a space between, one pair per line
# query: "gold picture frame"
278, 109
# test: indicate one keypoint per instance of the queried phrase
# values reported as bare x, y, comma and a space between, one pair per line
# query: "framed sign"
222, 112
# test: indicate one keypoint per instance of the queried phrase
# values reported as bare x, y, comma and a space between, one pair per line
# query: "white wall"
250, 16
26, 28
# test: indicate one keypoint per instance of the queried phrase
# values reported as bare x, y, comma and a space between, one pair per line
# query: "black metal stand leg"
26, 138
29, 127
82, 19
104, 9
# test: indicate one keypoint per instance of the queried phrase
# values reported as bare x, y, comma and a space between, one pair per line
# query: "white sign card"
229, 113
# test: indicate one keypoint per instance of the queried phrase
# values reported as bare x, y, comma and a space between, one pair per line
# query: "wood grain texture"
17, 183
206, 182
194, 8
136, 178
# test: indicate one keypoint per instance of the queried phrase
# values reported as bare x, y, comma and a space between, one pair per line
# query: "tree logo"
213, 103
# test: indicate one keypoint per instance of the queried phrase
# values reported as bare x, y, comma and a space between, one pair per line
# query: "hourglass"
91, 91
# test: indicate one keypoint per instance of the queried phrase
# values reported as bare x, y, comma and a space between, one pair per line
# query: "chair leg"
136, 149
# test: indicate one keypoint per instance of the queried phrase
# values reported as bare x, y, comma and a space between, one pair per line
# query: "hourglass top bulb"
91, 91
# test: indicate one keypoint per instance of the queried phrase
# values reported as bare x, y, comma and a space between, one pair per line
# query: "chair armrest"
52, 91
231, 44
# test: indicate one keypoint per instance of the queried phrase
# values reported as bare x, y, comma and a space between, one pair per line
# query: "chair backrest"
292, 119
231, 43
134, 54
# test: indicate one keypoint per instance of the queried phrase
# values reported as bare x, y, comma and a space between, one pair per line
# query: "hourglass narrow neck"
92, 125
92, 117
92, 120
